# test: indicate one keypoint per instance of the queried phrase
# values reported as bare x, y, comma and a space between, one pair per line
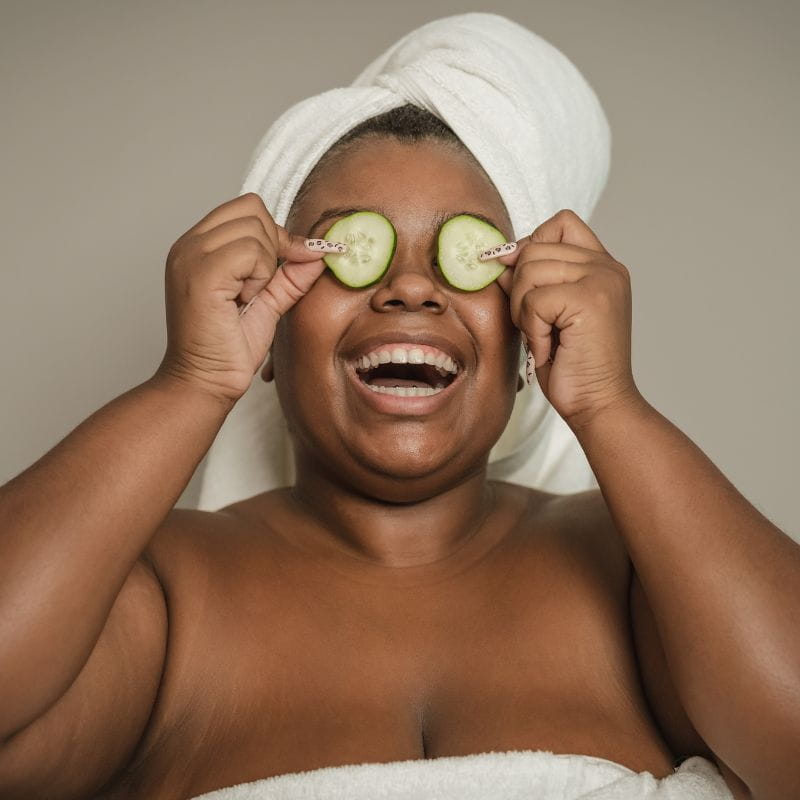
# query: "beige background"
124, 123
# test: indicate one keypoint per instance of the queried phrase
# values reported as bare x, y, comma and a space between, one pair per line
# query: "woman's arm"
723, 584
73, 525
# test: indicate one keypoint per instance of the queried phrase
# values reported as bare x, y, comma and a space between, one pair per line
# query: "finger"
533, 274
546, 308
293, 247
564, 228
285, 245
292, 280
506, 280
264, 268
567, 227
529, 250
239, 228
255, 259
246, 205
239, 263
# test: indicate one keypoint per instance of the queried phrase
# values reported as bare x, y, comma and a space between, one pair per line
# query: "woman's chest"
532, 654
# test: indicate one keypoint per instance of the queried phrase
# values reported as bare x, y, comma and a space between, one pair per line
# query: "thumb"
290, 282
293, 247
260, 316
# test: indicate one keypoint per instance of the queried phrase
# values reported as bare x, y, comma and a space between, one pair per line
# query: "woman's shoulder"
579, 514
189, 542
579, 526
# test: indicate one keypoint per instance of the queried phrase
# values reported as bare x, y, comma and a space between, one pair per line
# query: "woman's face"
338, 426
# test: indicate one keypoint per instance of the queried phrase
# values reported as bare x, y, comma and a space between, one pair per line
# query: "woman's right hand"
231, 253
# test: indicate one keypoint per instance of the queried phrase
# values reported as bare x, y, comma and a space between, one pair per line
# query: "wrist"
175, 385
612, 414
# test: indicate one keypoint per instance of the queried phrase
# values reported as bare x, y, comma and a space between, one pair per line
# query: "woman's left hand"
572, 301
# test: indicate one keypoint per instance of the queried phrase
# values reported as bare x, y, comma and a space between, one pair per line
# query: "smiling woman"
371, 437
398, 617
536, 448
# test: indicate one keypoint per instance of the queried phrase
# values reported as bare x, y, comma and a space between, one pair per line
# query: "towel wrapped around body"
513, 775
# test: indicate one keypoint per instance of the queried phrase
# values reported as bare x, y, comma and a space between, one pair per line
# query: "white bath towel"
537, 128
513, 775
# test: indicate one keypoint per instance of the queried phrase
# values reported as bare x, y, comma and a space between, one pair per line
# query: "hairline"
344, 146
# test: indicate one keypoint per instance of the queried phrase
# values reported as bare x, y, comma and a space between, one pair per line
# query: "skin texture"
395, 604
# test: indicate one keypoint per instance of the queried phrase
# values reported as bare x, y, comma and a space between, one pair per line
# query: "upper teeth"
407, 355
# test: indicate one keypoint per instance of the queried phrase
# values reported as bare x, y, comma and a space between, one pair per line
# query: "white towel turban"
537, 128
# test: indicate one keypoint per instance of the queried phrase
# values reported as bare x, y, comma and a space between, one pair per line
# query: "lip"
407, 337
394, 404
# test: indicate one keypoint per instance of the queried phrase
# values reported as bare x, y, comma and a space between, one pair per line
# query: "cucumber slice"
371, 239
460, 240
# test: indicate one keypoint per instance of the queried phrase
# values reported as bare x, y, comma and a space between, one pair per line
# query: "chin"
409, 477
404, 490
403, 454
409, 468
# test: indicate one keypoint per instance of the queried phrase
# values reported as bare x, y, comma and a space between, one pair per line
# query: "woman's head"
410, 167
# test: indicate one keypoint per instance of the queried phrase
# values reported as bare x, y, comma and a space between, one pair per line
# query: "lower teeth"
406, 391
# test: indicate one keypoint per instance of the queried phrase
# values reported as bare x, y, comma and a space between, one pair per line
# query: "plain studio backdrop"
125, 123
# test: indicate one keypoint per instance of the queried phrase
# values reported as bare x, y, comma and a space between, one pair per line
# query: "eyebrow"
438, 220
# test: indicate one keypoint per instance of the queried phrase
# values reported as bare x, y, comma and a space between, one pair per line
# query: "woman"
393, 604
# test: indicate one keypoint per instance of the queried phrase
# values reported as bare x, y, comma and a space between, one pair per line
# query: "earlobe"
523, 353
267, 373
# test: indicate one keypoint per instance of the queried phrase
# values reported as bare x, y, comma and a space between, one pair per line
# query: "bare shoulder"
582, 525
587, 516
188, 541
185, 527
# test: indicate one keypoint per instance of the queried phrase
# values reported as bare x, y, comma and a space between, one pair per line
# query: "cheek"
310, 331
490, 319
321, 292
313, 311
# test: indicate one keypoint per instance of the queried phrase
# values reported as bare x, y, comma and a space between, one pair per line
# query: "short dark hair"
407, 123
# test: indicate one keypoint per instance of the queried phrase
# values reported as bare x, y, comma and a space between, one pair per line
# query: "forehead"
409, 181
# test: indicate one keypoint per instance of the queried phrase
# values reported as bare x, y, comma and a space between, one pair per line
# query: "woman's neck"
393, 534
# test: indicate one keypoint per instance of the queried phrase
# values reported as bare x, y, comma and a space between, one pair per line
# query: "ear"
267, 373
523, 360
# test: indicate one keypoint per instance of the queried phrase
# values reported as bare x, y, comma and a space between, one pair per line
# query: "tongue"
399, 382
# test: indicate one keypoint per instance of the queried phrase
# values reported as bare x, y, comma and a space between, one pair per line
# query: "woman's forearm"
723, 583
72, 526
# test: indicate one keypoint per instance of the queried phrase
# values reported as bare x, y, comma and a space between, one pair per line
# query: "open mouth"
389, 372
406, 380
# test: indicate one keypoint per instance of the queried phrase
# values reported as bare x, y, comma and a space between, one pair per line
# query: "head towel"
533, 123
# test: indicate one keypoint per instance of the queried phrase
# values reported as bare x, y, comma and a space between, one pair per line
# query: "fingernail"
495, 252
245, 309
530, 369
324, 246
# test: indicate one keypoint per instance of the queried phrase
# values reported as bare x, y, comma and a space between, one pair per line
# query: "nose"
410, 288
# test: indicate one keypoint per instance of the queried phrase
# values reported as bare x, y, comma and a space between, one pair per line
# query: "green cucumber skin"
336, 262
489, 270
